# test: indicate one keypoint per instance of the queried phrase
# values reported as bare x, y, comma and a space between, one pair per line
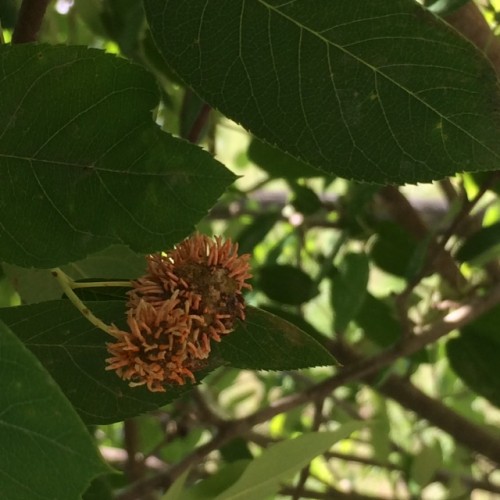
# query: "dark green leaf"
481, 246
305, 200
349, 288
393, 249
36, 420
123, 20
277, 163
378, 321
74, 352
266, 342
474, 358
384, 93
298, 321
96, 170
8, 13
251, 235
100, 489
286, 284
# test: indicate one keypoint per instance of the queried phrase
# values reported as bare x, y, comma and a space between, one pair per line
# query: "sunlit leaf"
382, 91
265, 474
47, 452
95, 170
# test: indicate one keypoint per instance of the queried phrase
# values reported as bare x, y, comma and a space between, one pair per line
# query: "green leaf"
481, 246
96, 170
425, 464
277, 163
393, 249
175, 491
378, 321
39, 428
305, 200
264, 475
285, 283
445, 7
217, 483
74, 353
383, 92
123, 20
349, 288
267, 342
38, 285
250, 236
474, 358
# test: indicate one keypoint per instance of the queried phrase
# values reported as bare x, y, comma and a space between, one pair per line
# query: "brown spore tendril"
190, 296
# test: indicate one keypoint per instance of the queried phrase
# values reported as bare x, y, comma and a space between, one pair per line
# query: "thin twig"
29, 21
422, 337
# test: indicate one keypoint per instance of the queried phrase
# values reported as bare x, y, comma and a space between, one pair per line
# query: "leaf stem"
99, 284
67, 284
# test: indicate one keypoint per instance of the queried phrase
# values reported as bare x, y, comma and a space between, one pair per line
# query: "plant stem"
99, 284
29, 21
67, 285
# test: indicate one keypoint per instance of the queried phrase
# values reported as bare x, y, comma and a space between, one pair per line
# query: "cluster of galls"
190, 296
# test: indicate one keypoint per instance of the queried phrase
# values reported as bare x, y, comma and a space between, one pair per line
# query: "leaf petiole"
98, 284
67, 285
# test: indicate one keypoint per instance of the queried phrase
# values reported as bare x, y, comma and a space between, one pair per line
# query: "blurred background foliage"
347, 262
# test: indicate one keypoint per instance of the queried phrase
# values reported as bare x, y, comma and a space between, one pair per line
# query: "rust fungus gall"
190, 296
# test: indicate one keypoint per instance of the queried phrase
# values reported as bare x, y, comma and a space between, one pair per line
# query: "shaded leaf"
474, 358
378, 321
96, 170
393, 249
36, 420
38, 285
74, 353
217, 483
175, 491
285, 283
349, 288
123, 20
264, 476
277, 163
267, 342
341, 88
481, 246
250, 236
305, 200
